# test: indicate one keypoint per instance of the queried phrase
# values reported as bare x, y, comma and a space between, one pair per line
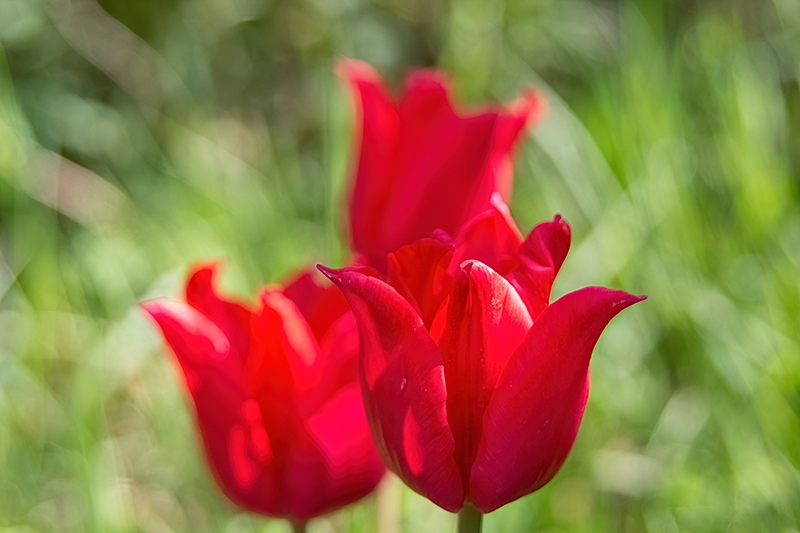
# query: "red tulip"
474, 384
421, 165
276, 394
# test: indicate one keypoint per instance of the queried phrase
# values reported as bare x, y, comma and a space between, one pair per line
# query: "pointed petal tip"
530, 106
209, 266
342, 276
562, 225
428, 78
330, 273
149, 307
353, 70
625, 299
441, 236
156, 308
202, 276
473, 264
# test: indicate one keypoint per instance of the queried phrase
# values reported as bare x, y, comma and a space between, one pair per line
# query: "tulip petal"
346, 466
440, 155
536, 408
491, 238
339, 353
321, 303
486, 322
231, 317
377, 131
402, 381
283, 366
230, 421
418, 272
538, 261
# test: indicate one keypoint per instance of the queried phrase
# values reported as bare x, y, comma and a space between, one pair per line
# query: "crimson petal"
230, 421
377, 132
538, 261
231, 317
486, 322
283, 367
345, 465
418, 272
402, 381
491, 238
321, 303
536, 408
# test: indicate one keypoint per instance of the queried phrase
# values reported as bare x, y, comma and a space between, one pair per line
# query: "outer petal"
340, 464
321, 303
231, 317
491, 237
230, 423
486, 322
376, 139
538, 261
533, 417
418, 272
402, 381
283, 368
339, 353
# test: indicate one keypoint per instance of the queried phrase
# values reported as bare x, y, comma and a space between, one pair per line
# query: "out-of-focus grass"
137, 137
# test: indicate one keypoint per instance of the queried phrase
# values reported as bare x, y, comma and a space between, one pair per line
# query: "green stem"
469, 519
298, 526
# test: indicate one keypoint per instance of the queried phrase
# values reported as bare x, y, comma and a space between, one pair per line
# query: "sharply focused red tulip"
474, 383
276, 394
421, 165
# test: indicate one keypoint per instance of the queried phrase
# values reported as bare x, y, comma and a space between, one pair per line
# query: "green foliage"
138, 137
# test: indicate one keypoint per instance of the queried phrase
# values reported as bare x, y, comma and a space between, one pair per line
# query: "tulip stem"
469, 519
299, 526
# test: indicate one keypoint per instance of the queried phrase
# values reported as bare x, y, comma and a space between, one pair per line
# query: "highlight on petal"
402, 380
283, 364
351, 467
486, 322
536, 408
230, 423
339, 353
331, 460
538, 261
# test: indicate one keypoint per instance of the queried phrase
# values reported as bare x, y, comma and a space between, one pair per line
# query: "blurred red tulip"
421, 165
474, 384
276, 394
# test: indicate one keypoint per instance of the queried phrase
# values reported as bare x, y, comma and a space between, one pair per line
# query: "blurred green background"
139, 136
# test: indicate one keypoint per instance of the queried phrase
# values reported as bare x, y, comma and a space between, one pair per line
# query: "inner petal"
486, 322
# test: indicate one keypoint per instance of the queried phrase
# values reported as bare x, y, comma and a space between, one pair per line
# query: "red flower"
276, 394
421, 166
474, 384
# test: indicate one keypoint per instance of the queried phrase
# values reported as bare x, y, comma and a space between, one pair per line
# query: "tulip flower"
474, 383
276, 394
422, 165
